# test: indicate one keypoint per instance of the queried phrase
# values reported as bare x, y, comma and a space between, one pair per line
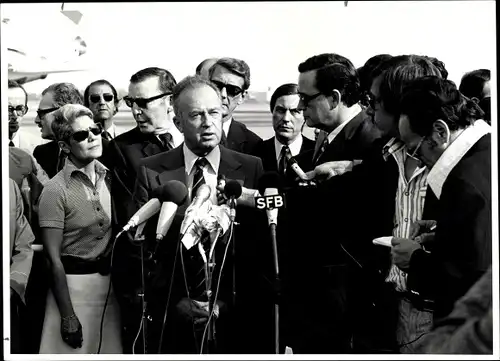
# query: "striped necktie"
166, 140
321, 151
198, 179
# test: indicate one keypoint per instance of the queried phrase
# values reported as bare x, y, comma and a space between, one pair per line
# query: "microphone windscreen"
232, 189
270, 180
172, 191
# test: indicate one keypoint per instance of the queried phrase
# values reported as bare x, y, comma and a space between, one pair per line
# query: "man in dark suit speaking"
198, 109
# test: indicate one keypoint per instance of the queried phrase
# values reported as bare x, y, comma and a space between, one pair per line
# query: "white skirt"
88, 295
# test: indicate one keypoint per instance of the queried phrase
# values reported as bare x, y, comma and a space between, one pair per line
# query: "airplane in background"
36, 50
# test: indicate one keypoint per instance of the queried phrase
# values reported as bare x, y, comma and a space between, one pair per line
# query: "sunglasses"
231, 90
96, 98
81, 135
306, 99
20, 110
373, 101
142, 102
42, 112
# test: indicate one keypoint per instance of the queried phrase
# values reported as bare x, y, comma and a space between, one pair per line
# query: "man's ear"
336, 99
243, 97
178, 123
64, 146
117, 106
440, 132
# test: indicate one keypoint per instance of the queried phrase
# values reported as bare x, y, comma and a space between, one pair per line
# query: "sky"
272, 37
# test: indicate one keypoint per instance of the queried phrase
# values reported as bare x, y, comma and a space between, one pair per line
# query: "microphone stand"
232, 206
277, 288
139, 237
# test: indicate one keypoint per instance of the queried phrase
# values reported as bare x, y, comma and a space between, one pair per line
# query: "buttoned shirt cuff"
18, 282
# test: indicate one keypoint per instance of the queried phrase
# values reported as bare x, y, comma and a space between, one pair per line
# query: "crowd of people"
399, 152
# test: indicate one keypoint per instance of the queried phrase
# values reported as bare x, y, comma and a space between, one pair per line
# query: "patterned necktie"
11, 143
60, 160
283, 161
198, 179
166, 140
223, 139
321, 150
105, 134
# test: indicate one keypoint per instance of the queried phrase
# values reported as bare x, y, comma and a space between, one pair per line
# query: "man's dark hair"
282, 90
334, 71
472, 83
235, 66
15, 84
166, 80
202, 64
365, 74
396, 73
430, 98
485, 105
64, 93
440, 65
99, 82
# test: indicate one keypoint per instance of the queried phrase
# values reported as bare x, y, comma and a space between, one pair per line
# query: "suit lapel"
270, 152
235, 137
230, 167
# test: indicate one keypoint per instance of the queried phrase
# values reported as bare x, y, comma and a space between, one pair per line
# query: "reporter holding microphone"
198, 163
75, 221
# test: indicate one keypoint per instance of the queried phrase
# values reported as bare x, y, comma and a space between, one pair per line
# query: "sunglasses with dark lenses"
42, 112
96, 98
20, 110
81, 135
142, 102
306, 99
373, 101
231, 90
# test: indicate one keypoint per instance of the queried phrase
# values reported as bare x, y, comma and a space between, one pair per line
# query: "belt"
76, 266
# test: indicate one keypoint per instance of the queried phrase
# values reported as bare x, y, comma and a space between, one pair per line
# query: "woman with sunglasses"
101, 98
75, 222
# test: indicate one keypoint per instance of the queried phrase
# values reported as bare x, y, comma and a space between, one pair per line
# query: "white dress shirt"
454, 153
226, 125
293, 146
27, 141
209, 172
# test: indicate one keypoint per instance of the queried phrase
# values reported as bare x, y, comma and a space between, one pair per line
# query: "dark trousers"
15, 324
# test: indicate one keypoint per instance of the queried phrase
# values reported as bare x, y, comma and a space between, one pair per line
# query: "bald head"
203, 68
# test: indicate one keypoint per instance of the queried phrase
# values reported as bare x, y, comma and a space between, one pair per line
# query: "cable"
189, 300
109, 291
169, 295
217, 289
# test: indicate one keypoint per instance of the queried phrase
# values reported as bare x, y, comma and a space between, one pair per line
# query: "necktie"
166, 139
106, 135
198, 179
283, 161
321, 150
11, 143
60, 160
223, 139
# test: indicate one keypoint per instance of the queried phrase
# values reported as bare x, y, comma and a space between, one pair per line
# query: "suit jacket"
462, 249
126, 151
241, 139
252, 247
266, 151
47, 156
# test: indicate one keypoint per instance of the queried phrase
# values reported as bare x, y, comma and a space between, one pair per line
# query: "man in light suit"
198, 109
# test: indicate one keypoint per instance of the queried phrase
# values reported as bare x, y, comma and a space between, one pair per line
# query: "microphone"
232, 190
175, 195
270, 186
295, 166
143, 214
201, 196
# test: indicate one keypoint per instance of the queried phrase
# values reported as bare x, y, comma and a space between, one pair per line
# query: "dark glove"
71, 331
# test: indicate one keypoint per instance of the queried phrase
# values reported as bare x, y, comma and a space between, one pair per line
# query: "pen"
433, 227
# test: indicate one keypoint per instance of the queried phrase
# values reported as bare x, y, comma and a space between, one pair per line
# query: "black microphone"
232, 190
175, 195
295, 166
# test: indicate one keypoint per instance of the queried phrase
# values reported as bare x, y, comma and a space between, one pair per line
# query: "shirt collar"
392, 146
190, 158
112, 131
294, 146
226, 125
454, 153
333, 134
69, 169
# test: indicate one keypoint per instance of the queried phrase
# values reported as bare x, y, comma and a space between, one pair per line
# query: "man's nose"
370, 111
135, 109
288, 116
223, 92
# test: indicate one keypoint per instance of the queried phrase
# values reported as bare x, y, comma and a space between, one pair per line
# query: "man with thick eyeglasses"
102, 99
232, 77
150, 99
329, 93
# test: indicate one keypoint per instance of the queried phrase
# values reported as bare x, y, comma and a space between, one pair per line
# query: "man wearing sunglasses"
102, 99
232, 78
149, 97
203, 68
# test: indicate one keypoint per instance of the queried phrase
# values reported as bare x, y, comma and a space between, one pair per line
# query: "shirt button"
95, 193
406, 219
98, 209
100, 224
406, 193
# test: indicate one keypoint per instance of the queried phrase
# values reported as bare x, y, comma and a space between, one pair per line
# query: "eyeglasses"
373, 100
414, 153
42, 112
81, 135
306, 99
231, 90
142, 102
20, 110
96, 98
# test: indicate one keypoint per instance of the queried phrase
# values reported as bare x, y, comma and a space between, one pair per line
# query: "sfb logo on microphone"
269, 202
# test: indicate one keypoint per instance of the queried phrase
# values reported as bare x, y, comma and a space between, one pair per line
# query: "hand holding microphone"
328, 170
